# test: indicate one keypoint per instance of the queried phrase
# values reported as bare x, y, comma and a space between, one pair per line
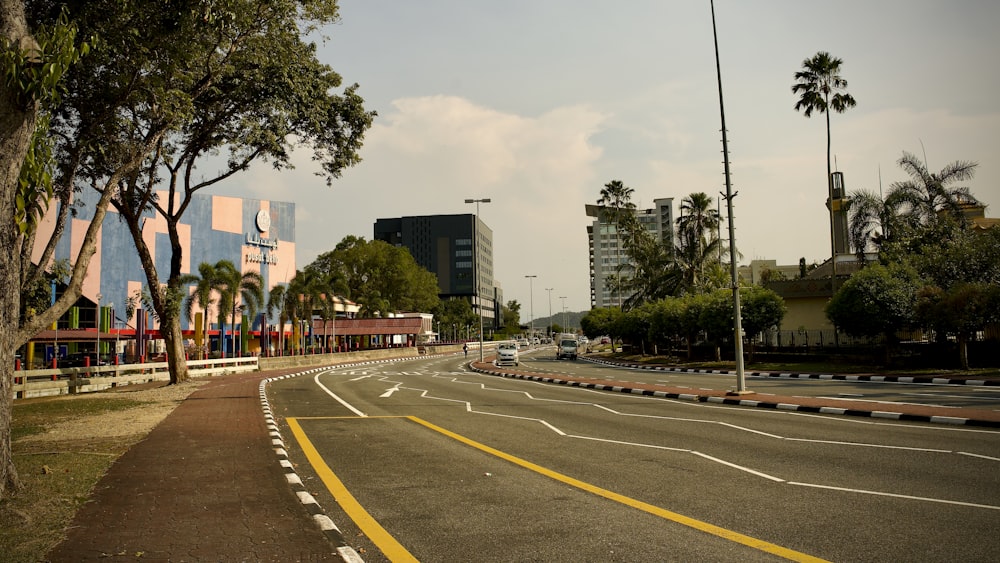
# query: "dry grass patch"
62, 447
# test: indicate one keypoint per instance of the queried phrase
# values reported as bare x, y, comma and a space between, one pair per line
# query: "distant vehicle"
522, 342
605, 340
566, 346
584, 340
507, 354
534, 341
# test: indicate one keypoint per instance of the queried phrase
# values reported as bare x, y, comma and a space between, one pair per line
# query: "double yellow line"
396, 552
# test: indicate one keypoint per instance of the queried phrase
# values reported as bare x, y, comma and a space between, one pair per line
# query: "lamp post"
549, 289
475, 241
741, 386
531, 304
563, 312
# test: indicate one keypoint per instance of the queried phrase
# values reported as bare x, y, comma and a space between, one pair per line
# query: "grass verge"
58, 475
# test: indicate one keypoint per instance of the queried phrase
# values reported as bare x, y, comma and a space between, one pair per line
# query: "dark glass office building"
456, 248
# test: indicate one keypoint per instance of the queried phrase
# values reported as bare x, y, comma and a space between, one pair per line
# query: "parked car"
79, 360
507, 354
522, 342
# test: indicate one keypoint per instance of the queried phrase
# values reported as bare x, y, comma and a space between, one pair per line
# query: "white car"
507, 354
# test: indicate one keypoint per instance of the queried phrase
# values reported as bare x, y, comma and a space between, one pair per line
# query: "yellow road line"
730, 535
396, 552
369, 526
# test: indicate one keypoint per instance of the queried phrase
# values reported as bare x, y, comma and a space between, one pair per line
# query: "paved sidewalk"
207, 484
204, 485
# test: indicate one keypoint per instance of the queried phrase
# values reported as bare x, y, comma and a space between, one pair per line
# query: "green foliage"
34, 70
877, 300
511, 318
601, 321
380, 277
457, 312
760, 310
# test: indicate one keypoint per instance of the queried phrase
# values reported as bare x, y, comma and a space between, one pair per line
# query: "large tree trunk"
167, 310
17, 123
963, 350
170, 330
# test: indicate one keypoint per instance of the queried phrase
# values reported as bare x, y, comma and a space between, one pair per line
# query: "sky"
536, 104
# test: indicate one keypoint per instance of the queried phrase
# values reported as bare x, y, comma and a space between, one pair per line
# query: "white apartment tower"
606, 254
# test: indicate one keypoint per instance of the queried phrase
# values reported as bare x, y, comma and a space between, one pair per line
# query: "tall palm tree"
821, 88
305, 290
278, 301
618, 208
205, 285
237, 289
698, 243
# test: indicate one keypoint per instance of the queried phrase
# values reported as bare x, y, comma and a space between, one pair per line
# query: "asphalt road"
423, 460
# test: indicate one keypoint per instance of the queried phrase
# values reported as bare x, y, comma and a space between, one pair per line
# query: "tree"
456, 311
511, 317
821, 88
927, 208
716, 318
599, 321
278, 302
962, 310
760, 310
239, 292
203, 297
380, 277
928, 198
667, 322
34, 60
876, 300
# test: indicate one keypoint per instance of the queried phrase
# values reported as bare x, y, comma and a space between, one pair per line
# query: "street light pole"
741, 386
563, 312
549, 289
531, 301
476, 295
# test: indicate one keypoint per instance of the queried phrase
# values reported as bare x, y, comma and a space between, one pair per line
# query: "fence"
68, 381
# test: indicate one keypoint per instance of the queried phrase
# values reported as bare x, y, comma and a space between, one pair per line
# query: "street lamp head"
470, 201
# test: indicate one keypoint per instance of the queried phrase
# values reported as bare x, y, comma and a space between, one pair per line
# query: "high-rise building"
456, 248
607, 255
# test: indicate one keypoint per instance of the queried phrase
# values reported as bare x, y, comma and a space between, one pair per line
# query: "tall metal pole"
479, 300
737, 321
549, 289
563, 312
531, 300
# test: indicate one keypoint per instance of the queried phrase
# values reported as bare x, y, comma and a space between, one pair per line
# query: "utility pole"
549, 289
737, 321
531, 300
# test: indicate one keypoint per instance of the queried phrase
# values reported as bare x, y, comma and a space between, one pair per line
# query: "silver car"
507, 354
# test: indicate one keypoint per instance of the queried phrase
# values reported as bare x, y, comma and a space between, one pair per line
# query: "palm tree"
821, 88
236, 290
616, 201
698, 244
205, 286
306, 289
923, 203
927, 197
276, 302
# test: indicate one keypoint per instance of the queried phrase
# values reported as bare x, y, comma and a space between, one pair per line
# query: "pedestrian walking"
465, 348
